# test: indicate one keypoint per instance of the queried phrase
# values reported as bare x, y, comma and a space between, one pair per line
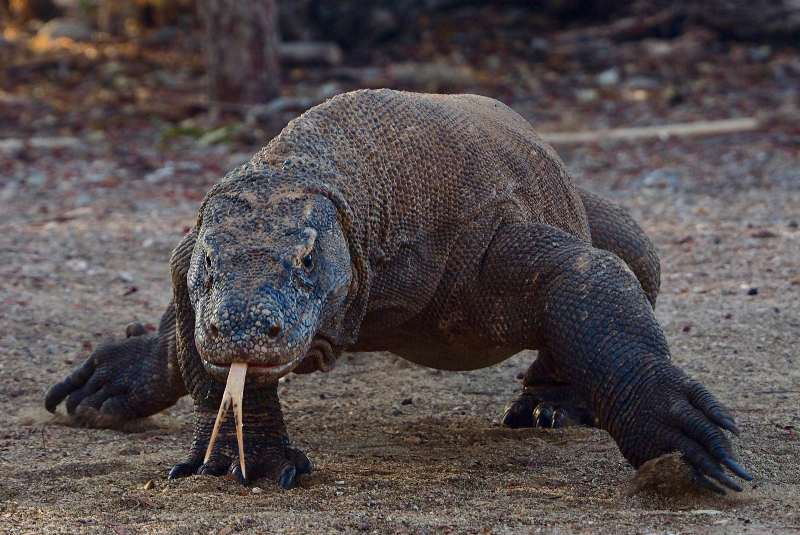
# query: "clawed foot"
256, 436
122, 380
672, 412
280, 464
551, 406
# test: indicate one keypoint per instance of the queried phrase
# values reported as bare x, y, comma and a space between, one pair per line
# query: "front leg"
124, 379
268, 453
540, 287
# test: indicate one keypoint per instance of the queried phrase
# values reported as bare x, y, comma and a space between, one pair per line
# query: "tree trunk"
241, 45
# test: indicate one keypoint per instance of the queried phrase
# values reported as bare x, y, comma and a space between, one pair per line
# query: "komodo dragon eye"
209, 280
308, 261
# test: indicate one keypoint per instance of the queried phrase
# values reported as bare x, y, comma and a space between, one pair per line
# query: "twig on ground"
14, 144
699, 128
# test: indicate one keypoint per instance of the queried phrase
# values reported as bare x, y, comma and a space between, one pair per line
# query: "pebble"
586, 95
397, 412
642, 82
166, 79
609, 77
663, 178
37, 179
407, 401
168, 171
73, 29
149, 485
256, 490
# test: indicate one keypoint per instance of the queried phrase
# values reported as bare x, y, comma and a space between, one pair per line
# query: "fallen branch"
13, 144
310, 53
624, 29
700, 128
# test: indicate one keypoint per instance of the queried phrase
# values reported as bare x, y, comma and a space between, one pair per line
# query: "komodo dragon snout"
263, 286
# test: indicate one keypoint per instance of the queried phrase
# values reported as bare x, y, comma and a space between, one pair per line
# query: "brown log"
750, 19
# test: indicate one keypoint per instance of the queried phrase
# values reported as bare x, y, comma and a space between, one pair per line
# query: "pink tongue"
234, 390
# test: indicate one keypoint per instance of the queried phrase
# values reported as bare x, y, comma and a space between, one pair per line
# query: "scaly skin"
547, 398
441, 228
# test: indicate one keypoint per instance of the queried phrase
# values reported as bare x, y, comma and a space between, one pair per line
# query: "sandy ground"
78, 262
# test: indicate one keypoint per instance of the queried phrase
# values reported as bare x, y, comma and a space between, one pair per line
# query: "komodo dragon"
440, 228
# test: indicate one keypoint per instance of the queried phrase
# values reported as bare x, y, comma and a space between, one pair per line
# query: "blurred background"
235, 71
181, 91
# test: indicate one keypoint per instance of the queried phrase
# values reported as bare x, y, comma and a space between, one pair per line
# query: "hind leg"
547, 399
542, 288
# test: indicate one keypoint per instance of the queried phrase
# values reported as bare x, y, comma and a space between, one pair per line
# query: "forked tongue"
234, 390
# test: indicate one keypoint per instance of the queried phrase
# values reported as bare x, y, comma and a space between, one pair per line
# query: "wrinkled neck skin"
269, 281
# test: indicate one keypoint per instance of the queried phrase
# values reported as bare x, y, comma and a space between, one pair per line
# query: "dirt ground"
85, 236
70, 277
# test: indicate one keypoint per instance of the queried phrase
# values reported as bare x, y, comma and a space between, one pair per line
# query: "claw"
736, 468
234, 390
287, 477
240, 478
701, 480
559, 418
182, 470
730, 425
543, 415
300, 461
725, 480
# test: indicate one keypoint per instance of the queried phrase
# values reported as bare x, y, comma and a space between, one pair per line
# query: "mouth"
264, 372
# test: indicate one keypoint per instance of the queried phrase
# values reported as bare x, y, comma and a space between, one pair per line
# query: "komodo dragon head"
268, 276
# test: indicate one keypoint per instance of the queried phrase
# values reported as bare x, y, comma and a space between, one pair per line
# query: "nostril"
213, 331
273, 332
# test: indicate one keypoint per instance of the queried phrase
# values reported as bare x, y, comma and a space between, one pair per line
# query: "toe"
183, 470
559, 418
543, 415
287, 477
216, 465
300, 461
519, 413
